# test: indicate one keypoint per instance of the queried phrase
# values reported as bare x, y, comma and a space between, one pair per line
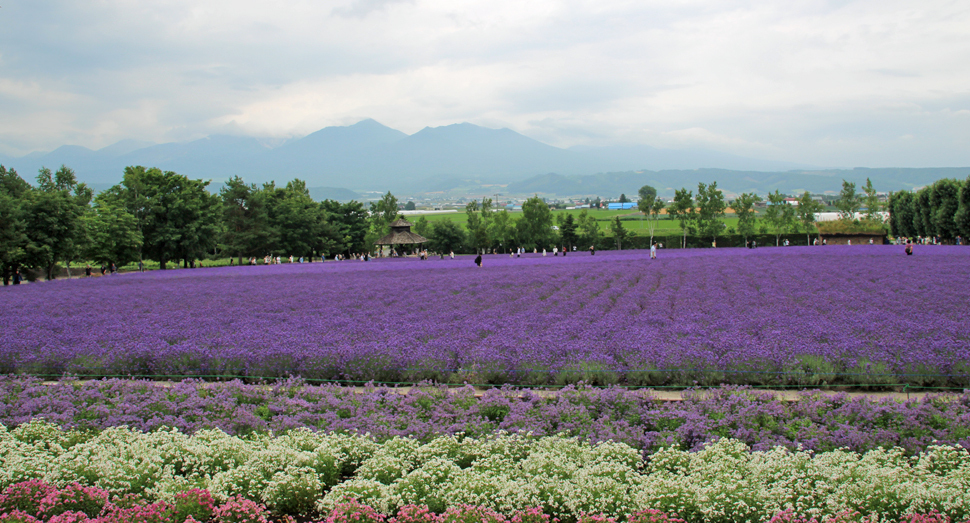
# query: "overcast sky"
834, 83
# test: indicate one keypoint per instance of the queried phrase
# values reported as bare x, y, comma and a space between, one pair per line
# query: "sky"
874, 83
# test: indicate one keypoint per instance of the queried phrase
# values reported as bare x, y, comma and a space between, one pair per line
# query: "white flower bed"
303, 472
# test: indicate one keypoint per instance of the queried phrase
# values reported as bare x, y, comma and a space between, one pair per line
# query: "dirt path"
662, 395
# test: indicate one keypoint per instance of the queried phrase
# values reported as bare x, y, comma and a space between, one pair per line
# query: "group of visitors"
925, 240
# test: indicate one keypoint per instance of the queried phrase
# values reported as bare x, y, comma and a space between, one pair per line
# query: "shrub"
240, 510
353, 511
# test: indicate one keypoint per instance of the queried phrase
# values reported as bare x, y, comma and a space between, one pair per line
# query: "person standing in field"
478, 260
653, 251
909, 248
592, 250
17, 278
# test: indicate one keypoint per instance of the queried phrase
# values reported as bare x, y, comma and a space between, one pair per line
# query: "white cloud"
813, 81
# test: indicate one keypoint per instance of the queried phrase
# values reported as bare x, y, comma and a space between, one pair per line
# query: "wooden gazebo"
401, 235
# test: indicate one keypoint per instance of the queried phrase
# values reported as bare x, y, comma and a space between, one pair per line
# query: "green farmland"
630, 219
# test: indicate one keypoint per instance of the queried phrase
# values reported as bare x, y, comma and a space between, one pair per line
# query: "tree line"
169, 218
940, 210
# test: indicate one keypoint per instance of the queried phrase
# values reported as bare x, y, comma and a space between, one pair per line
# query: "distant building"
621, 206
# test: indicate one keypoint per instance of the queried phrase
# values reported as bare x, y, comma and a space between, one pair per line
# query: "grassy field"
630, 219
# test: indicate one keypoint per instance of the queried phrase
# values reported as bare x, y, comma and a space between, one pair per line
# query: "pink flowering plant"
240, 510
471, 514
27, 497
533, 515
417, 514
352, 511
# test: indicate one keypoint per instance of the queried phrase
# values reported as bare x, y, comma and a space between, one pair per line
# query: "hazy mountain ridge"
369, 156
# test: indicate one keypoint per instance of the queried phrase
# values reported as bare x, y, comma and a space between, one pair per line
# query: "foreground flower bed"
803, 316
817, 421
310, 474
37, 502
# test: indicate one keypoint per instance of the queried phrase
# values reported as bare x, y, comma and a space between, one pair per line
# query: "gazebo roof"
401, 238
401, 234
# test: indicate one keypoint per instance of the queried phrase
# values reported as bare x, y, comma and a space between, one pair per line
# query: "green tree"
54, 219
710, 210
446, 236
945, 202
589, 230
567, 232
300, 224
849, 202
655, 209
873, 207
618, 231
682, 208
806, 210
422, 227
178, 218
247, 230
923, 213
535, 226
348, 226
13, 225
477, 224
779, 215
624, 199
112, 232
647, 196
962, 217
901, 214
502, 230
743, 207
409, 206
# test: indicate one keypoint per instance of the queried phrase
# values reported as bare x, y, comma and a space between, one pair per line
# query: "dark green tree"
682, 208
348, 226
409, 206
873, 207
589, 230
849, 202
710, 210
619, 232
54, 219
422, 227
647, 196
624, 199
567, 232
300, 223
743, 207
962, 217
247, 230
945, 202
900, 208
806, 210
446, 236
779, 215
535, 226
13, 225
112, 231
179, 219
923, 213
502, 229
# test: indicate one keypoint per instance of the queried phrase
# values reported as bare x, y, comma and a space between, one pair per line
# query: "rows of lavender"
816, 421
806, 316
306, 474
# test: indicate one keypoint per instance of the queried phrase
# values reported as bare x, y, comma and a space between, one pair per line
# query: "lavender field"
801, 316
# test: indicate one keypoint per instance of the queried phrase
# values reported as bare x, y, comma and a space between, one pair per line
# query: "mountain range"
367, 156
